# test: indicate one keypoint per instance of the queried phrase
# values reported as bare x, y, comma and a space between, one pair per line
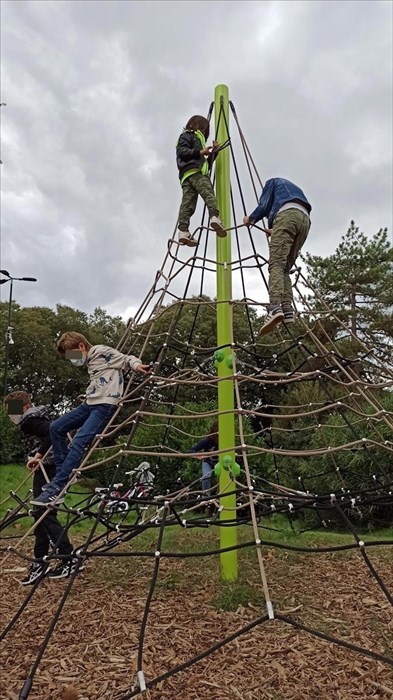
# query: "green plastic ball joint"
235, 469
217, 469
227, 462
229, 360
219, 355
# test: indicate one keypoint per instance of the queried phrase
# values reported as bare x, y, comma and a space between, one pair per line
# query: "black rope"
151, 591
199, 657
271, 501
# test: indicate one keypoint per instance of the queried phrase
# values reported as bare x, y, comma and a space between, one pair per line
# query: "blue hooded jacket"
277, 192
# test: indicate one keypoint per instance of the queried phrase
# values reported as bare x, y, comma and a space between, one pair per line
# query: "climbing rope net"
277, 475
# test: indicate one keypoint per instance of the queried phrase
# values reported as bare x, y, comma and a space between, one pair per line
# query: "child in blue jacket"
208, 444
288, 212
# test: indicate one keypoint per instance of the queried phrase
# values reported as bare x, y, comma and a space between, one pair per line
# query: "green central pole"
226, 420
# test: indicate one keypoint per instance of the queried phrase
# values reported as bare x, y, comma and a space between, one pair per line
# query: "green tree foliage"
158, 433
176, 434
192, 327
357, 282
357, 466
34, 366
351, 468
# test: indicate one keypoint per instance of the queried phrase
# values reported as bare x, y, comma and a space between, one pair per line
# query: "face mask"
15, 419
78, 361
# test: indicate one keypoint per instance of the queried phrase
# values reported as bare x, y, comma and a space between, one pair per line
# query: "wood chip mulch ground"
92, 654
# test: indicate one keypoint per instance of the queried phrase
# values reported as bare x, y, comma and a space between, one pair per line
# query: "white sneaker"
185, 238
36, 570
218, 226
274, 316
65, 569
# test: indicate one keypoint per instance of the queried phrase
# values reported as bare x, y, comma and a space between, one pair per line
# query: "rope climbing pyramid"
303, 442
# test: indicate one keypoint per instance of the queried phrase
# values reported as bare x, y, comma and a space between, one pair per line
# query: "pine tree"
357, 282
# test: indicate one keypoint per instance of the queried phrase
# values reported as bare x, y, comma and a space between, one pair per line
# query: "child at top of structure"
193, 158
288, 212
105, 366
33, 423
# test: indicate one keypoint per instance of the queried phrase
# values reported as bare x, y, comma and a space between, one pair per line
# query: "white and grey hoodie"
106, 366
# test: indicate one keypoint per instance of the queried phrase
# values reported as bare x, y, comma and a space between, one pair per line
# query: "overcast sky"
98, 92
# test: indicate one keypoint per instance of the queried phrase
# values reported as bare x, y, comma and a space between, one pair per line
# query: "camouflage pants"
193, 186
290, 230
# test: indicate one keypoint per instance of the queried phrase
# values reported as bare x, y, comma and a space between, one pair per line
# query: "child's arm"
188, 149
212, 154
117, 360
265, 204
204, 445
136, 365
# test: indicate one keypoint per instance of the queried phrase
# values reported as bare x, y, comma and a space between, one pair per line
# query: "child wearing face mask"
105, 366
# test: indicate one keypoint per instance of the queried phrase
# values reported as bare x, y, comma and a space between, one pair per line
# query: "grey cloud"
97, 93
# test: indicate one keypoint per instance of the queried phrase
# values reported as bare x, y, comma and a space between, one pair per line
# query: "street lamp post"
8, 333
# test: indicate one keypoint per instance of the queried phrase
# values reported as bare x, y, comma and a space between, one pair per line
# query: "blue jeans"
91, 420
206, 476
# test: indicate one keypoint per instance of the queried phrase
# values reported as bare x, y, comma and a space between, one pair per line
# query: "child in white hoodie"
105, 366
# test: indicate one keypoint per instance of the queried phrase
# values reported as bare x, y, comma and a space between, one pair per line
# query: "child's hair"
70, 341
214, 428
197, 122
18, 396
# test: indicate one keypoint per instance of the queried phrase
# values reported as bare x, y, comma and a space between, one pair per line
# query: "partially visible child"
33, 423
193, 158
208, 444
288, 211
105, 366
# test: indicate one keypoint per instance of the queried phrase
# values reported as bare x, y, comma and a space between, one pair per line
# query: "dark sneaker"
289, 313
37, 570
185, 238
47, 498
218, 226
65, 569
275, 316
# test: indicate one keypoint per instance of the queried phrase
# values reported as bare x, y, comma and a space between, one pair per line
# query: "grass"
276, 530
233, 594
13, 475
183, 575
